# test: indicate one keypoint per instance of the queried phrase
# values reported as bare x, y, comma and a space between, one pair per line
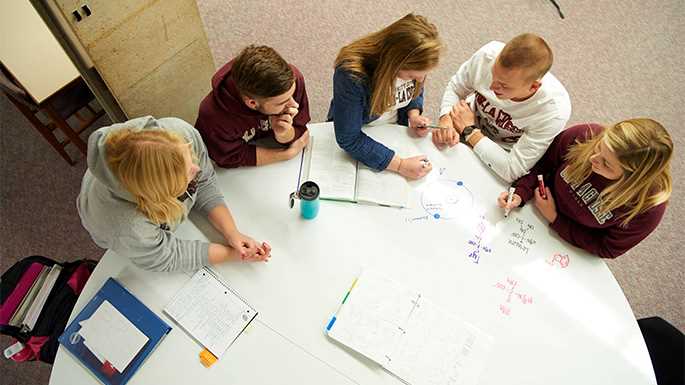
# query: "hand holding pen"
415, 167
420, 124
508, 200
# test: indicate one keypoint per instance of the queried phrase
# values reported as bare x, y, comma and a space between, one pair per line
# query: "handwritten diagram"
478, 242
445, 199
522, 238
558, 259
512, 295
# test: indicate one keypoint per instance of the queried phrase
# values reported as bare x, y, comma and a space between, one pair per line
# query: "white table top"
578, 329
31, 52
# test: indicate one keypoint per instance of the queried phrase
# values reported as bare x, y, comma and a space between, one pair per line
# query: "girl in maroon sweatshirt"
608, 186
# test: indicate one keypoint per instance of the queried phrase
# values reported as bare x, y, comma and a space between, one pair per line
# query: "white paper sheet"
111, 336
385, 187
331, 168
408, 335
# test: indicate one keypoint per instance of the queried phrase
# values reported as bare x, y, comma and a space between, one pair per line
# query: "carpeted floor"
618, 59
38, 214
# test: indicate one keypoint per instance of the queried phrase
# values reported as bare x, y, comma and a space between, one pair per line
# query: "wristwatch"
466, 132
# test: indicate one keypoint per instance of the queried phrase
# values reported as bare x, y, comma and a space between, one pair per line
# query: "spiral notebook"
210, 311
413, 338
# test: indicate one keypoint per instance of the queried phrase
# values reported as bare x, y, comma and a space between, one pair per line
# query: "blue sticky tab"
330, 324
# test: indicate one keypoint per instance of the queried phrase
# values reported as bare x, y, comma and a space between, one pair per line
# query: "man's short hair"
529, 52
260, 72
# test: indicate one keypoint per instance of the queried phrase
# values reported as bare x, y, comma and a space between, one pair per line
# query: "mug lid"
309, 191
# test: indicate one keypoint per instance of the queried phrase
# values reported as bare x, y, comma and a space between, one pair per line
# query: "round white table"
556, 314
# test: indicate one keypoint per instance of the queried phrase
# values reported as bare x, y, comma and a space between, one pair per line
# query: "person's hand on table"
418, 124
263, 254
245, 247
502, 201
415, 167
546, 207
243, 244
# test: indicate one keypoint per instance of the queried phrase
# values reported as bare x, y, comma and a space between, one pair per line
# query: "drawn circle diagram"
446, 199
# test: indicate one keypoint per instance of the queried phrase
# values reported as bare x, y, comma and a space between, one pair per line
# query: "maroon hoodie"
578, 219
227, 124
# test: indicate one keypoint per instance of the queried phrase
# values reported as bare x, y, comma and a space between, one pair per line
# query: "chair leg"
66, 129
47, 133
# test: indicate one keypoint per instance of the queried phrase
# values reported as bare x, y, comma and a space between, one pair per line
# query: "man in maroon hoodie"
257, 110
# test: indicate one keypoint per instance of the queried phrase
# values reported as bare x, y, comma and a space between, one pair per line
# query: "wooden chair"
68, 102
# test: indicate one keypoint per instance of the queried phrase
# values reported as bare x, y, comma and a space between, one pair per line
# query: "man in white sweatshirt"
515, 110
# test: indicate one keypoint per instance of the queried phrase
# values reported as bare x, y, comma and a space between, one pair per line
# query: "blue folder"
136, 312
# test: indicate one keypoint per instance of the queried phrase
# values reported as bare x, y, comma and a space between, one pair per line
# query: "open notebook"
340, 177
407, 334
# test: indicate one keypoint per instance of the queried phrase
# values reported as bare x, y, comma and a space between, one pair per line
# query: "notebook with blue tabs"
114, 334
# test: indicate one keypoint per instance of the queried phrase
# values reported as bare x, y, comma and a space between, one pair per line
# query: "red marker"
541, 187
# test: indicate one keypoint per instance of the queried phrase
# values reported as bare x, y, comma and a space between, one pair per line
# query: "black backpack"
41, 342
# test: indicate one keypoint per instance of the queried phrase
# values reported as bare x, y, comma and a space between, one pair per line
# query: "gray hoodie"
110, 215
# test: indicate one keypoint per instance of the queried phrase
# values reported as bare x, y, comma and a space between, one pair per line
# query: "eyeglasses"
191, 189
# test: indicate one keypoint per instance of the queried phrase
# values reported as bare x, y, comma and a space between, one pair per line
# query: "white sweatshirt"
517, 134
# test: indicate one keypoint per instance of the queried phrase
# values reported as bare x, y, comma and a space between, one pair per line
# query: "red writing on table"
509, 287
558, 259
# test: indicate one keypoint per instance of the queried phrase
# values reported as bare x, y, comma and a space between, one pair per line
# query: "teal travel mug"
309, 200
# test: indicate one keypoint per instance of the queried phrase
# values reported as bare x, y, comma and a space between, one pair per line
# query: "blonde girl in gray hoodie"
144, 177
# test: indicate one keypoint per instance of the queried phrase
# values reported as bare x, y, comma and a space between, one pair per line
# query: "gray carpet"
618, 59
38, 214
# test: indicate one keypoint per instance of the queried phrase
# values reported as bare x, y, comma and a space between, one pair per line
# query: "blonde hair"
644, 149
151, 166
529, 52
411, 43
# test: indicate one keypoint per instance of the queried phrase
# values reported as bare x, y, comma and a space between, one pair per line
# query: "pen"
509, 198
425, 162
541, 187
438, 127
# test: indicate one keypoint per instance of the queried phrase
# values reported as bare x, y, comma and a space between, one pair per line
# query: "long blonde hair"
644, 149
411, 43
151, 166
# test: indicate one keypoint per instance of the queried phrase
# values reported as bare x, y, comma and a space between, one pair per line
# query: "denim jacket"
349, 111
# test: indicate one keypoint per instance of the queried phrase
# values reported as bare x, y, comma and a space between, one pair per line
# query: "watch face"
466, 132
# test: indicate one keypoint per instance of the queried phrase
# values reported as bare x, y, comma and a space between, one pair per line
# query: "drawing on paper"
522, 238
445, 199
512, 296
477, 242
558, 259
